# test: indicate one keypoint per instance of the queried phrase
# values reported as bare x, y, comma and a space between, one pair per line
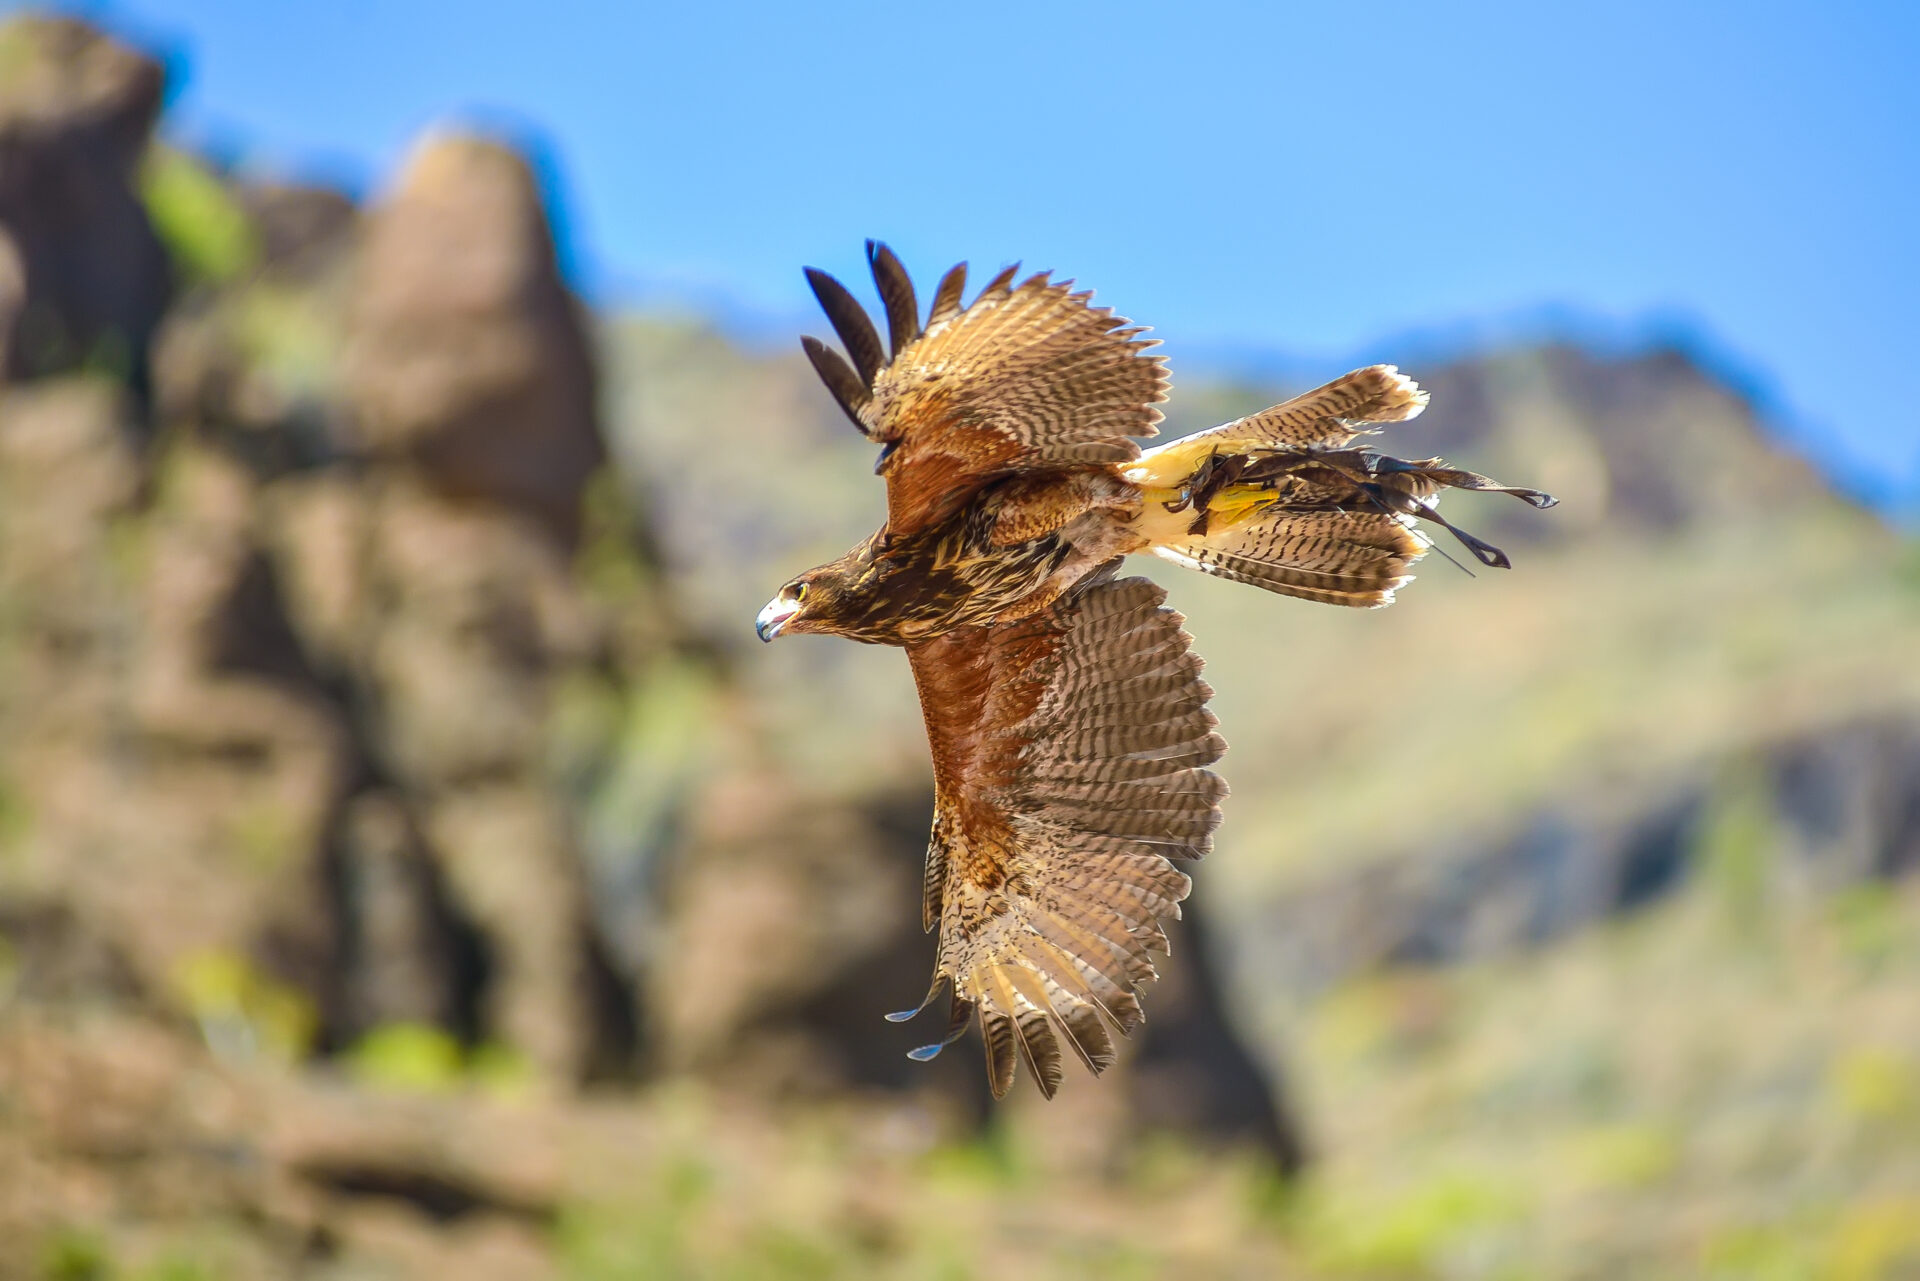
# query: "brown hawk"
1064, 707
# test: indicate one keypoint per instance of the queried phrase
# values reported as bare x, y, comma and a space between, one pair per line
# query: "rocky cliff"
347, 701
378, 707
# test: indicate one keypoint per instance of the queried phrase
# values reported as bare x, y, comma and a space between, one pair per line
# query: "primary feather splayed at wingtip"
896, 295
849, 392
851, 322
946, 296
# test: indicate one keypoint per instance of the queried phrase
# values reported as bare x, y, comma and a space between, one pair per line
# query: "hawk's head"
816, 601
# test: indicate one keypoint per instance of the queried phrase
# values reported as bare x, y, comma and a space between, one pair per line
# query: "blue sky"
1324, 181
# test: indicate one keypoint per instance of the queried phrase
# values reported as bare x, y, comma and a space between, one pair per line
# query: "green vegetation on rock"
206, 232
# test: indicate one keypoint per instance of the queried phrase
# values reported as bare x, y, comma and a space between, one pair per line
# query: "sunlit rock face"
466, 354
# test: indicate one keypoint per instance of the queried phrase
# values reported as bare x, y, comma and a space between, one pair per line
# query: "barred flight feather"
1330, 415
1070, 754
1334, 557
946, 296
1025, 377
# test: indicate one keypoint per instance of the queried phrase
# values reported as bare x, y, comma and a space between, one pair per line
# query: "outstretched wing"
1070, 753
1027, 377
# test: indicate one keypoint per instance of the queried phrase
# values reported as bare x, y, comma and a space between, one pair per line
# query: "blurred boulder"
83, 276
131, 1127
508, 854
779, 956
447, 626
68, 472
473, 613
386, 532
175, 763
466, 355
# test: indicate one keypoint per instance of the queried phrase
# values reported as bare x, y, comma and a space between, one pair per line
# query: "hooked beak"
774, 616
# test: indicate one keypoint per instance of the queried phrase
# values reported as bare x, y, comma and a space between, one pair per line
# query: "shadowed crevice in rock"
442, 1197
403, 950
52, 958
616, 1051
83, 277
1194, 1072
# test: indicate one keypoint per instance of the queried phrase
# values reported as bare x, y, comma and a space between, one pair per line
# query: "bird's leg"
1454, 478
1198, 487
1374, 475
1394, 502
1218, 474
1485, 552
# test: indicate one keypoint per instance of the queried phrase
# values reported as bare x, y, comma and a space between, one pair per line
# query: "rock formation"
346, 687
83, 277
402, 723
466, 356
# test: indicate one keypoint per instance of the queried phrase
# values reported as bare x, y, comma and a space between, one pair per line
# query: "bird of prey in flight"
1065, 710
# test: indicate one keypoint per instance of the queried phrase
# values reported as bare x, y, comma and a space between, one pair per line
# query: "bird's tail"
1280, 500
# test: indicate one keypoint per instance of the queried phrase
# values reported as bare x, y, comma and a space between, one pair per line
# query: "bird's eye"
799, 591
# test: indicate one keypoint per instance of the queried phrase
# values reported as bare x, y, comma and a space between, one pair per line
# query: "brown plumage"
1064, 708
